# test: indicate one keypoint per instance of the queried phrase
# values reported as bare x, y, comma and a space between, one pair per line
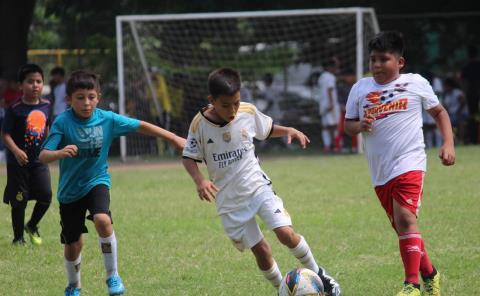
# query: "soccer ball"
301, 282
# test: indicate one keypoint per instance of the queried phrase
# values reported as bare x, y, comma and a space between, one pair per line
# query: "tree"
15, 19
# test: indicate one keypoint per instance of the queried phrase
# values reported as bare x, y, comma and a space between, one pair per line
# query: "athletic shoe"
330, 285
431, 286
409, 290
34, 235
115, 285
19, 242
72, 290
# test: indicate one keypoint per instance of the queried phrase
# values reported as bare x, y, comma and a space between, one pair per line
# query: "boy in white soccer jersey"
222, 135
387, 110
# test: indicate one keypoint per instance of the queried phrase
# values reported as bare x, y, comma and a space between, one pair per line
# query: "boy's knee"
286, 235
262, 249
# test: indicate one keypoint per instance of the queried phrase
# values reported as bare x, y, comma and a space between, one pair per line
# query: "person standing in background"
58, 91
470, 77
328, 103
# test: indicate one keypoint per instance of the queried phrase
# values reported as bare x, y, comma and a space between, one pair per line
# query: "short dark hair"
28, 69
82, 79
330, 62
57, 71
449, 81
224, 81
390, 41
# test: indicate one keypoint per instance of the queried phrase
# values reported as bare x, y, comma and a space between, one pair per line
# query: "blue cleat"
115, 285
72, 290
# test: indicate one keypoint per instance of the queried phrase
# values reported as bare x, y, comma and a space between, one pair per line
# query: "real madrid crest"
227, 137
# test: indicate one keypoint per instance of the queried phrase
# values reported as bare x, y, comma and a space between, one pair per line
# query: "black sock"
430, 276
415, 285
18, 220
37, 214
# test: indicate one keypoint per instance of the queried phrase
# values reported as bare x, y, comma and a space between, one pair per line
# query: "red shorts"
406, 189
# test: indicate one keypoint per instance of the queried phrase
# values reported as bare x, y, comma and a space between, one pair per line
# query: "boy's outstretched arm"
205, 188
47, 156
156, 131
291, 133
447, 151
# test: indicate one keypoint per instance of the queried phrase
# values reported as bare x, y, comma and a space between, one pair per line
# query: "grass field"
170, 243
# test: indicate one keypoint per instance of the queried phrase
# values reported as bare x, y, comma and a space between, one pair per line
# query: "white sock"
273, 275
73, 271
108, 245
303, 253
327, 142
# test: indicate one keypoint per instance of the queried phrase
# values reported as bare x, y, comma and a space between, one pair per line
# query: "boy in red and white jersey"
387, 110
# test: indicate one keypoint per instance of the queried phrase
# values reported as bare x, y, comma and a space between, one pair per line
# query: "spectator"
272, 97
470, 76
328, 103
342, 140
12, 93
454, 102
431, 133
58, 90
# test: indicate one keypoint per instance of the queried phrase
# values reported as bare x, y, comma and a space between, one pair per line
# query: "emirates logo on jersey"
227, 137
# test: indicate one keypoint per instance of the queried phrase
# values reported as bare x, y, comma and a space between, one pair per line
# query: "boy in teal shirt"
80, 139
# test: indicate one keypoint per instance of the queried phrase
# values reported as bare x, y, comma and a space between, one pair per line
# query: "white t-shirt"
229, 154
395, 145
328, 81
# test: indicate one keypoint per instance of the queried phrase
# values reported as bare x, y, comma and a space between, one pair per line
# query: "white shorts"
330, 118
241, 226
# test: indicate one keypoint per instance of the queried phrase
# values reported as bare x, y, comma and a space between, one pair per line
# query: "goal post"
163, 62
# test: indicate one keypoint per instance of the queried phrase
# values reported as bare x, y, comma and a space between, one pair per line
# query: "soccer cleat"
409, 290
431, 286
19, 242
34, 235
330, 285
115, 285
72, 290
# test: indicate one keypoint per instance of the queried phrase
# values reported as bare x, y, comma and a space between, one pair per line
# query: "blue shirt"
93, 137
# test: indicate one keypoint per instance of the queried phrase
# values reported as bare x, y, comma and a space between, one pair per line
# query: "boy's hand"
68, 151
366, 123
21, 157
207, 190
296, 134
447, 155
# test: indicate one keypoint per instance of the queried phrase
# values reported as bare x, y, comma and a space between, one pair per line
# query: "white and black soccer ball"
301, 282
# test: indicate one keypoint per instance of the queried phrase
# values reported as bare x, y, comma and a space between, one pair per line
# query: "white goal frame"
132, 19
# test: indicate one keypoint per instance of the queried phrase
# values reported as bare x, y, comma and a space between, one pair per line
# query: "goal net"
164, 61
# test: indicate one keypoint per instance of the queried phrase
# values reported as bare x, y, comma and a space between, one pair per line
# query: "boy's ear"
68, 99
401, 62
211, 100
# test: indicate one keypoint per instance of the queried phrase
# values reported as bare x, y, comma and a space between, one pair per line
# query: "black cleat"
330, 285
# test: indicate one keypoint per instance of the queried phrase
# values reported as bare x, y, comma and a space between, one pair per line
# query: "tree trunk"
15, 19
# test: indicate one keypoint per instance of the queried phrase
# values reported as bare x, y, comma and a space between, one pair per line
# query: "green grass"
170, 243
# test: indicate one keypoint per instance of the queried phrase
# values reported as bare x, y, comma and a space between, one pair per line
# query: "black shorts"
72, 215
27, 183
